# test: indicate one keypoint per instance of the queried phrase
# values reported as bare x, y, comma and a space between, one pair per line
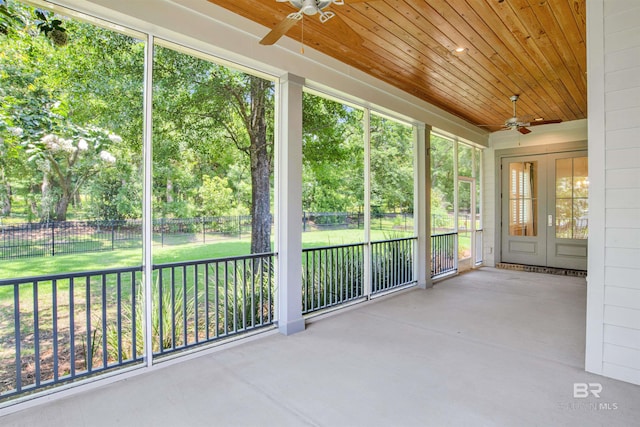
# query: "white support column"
366, 274
289, 205
147, 215
422, 204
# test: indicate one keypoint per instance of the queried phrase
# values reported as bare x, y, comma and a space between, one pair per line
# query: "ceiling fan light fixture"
310, 7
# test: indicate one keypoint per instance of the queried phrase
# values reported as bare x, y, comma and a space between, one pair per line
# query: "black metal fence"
315, 221
60, 328
67, 237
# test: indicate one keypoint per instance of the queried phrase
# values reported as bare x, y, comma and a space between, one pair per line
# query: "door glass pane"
572, 191
523, 199
564, 223
564, 178
580, 177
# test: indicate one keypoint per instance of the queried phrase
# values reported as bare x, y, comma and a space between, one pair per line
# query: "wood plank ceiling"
533, 48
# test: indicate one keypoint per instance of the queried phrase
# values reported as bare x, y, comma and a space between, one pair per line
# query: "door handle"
550, 220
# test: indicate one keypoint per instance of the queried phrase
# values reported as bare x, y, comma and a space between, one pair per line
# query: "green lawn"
25, 267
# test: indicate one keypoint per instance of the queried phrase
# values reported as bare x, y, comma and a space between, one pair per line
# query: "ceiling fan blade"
278, 31
544, 122
523, 130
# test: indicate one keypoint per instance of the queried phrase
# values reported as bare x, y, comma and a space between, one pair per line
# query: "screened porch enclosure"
264, 203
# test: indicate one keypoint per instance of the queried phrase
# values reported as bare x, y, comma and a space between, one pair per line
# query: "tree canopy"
71, 117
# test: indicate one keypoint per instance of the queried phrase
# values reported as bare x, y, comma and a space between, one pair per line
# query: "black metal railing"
392, 264
59, 328
202, 301
331, 275
443, 253
67, 326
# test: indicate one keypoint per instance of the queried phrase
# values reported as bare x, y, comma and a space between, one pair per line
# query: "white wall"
541, 139
613, 304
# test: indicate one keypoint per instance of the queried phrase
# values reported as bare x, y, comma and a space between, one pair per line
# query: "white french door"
545, 210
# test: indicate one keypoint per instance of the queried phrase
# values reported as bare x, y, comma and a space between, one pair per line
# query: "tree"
71, 93
66, 160
391, 144
217, 196
214, 120
333, 156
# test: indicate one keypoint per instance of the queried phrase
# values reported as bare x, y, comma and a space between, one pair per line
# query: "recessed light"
538, 119
460, 50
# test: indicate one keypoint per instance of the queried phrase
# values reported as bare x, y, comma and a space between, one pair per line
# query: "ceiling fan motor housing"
310, 7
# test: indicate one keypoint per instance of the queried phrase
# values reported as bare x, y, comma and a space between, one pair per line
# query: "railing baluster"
235, 296
244, 294
226, 297
206, 301
173, 307
196, 327
36, 333
253, 291
88, 350
104, 320
54, 314
72, 328
184, 306
119, 316
17, 336
217, 299
160, 307
134, 331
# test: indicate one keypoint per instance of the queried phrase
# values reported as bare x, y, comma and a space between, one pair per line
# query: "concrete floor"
489, 347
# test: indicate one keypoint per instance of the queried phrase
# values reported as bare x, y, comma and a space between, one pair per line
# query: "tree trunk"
61, 207
46, 199
169, 191
5, 199
260, 156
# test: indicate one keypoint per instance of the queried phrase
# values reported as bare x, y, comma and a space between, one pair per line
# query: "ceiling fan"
520, 124
305, 7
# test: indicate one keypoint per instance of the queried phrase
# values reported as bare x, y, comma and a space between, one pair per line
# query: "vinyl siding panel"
622, 297
622, 356
624, 337
621, 316
621, 373
621, 333
623, 178
628, 158
624, 277
623, 238
623, 218
613, 306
